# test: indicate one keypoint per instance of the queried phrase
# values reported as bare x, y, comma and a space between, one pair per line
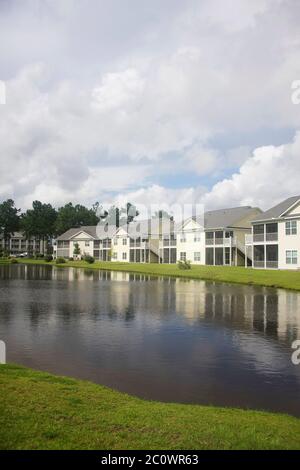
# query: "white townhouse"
275, 238
221, 241
18, 244
91, 240
138, 242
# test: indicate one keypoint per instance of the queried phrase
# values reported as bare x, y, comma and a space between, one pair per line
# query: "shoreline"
289, 280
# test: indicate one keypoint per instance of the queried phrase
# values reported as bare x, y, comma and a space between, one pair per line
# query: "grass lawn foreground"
42, 411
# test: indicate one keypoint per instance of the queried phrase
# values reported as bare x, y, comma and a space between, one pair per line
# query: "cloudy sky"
161, 101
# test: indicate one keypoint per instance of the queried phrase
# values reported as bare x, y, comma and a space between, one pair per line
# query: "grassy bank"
43, 411
241, 275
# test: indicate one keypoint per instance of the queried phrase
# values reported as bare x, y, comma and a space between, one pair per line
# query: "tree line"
43, 221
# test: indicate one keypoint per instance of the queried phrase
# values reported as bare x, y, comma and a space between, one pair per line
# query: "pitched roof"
89, 229
134, 229
276, 211
230, 217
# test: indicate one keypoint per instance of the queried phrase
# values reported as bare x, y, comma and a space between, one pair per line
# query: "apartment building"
218, 239
18, 244
93, 240
275, 239
137, 242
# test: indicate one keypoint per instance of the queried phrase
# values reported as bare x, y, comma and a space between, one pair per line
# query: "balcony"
228, 241
258, 237
272, 237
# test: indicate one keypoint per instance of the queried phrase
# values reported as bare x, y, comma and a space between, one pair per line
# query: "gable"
120, 232
190, 225
81, 236
294, 210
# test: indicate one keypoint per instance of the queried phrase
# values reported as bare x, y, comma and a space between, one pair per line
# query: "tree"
70, 216
119, 216
162, 214
76, 250
9, 218
39, 221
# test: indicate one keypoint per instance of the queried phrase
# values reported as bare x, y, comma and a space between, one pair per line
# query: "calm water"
165, 339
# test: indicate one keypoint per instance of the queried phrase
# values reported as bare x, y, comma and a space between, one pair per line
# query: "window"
182, 238
115, 255
124, 241
197, 256
124, 255
183, 256
291, 257
115, 241
197, 238
291, 227
87, 244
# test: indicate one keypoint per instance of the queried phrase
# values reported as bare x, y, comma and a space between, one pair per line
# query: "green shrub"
48, 258
71, 258
14, 261
89, 259
184, 264
60, 260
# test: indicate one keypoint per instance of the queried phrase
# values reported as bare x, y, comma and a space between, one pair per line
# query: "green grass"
43, 411
262, 277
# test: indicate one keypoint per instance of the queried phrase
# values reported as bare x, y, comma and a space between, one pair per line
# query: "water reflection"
160, 338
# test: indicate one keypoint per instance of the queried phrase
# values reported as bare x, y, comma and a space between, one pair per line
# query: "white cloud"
263, 180
134, 96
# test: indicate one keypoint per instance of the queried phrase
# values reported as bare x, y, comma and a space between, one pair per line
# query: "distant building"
18, 244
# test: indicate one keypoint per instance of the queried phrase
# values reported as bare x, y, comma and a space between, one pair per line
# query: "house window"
291, 227
115, 241
87, 244
115, 255
291, 257
183, 256
124, 256
182, 238
197, 256
197, 238
124, 241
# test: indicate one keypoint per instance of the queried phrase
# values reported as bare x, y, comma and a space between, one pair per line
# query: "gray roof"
276, 211
223, 218
90, 230
13, 235
135, 229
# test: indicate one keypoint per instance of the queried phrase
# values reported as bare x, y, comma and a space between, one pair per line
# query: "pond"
157, 338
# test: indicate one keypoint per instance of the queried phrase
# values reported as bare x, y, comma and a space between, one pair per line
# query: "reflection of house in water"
275, 313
